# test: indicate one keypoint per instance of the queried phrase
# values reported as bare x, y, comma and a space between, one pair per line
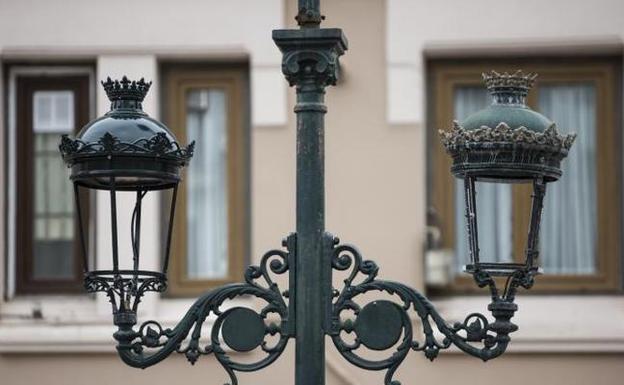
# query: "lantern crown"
518, 80
126, 89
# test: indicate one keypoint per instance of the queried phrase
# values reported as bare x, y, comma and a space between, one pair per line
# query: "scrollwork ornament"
159, 145
456, 139
311, 57
475, 335
152, 343
318, 67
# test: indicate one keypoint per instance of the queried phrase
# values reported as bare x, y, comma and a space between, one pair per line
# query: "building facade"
412, 66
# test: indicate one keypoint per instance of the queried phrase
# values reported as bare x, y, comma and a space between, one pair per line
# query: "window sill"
77, 324
553, 324
547, 324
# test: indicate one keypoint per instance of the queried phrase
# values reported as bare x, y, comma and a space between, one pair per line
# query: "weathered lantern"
125, 150
506, 142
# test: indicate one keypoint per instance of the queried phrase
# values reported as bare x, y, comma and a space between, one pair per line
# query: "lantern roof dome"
509, 107
507, 141
515, 116
125, 146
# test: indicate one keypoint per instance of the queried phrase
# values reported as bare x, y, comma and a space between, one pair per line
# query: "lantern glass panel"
129, 154
129, 223
495, 222
498, 258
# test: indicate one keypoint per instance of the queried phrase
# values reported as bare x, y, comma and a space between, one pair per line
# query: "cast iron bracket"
380, 325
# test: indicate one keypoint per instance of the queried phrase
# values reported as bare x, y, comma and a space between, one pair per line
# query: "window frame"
178, 80
25, 87
604, 72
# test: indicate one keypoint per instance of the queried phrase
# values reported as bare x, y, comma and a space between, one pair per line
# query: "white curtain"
52, 116
207, 203
493, 200
568, 237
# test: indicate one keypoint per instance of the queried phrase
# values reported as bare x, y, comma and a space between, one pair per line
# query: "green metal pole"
310, 336
310, 63
310, 5
309, 15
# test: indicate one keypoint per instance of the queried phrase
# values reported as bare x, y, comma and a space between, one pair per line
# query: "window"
580, 236
211, 238
48, 255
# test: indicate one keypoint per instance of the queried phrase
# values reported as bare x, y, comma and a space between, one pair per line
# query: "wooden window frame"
26, 86
445, 76
179, 79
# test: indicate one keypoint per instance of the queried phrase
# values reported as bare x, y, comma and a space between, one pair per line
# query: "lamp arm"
379, 325
150, 343
386, 328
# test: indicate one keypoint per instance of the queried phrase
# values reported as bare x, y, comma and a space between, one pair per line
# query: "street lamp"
506, 142
127, 151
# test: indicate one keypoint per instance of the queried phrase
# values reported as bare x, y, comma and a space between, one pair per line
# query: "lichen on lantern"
507, 141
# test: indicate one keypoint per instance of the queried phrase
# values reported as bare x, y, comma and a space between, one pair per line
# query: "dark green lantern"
507, 142
125, 150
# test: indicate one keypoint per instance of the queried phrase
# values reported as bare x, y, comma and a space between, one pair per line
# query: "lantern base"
125, 288
501, 269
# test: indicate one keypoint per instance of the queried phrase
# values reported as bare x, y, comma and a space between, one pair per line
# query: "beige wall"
98, 369
375, 199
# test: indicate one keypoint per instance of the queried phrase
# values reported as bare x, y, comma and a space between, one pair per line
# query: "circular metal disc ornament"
379, 325
243, 329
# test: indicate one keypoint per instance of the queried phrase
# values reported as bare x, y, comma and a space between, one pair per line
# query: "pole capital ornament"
311, 56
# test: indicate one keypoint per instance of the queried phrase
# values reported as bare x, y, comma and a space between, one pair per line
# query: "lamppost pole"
310, 336
310, 76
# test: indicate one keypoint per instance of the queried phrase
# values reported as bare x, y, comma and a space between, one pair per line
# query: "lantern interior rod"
170, 229
539, 191
114, 240
470, 193
81, 231
135, 229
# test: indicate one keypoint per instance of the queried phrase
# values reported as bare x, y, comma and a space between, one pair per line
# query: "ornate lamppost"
125, 150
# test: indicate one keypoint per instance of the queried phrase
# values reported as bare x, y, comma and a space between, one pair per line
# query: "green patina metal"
126, 150
508, 106
507, 141
514, 116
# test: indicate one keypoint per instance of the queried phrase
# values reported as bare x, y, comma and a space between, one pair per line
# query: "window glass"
207, 195
568, 238
53, 240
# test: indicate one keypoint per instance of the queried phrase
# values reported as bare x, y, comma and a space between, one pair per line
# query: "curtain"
493, 200
53, 222
568, 236
207, 202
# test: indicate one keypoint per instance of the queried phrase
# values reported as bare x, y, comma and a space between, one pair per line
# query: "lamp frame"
311, 309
